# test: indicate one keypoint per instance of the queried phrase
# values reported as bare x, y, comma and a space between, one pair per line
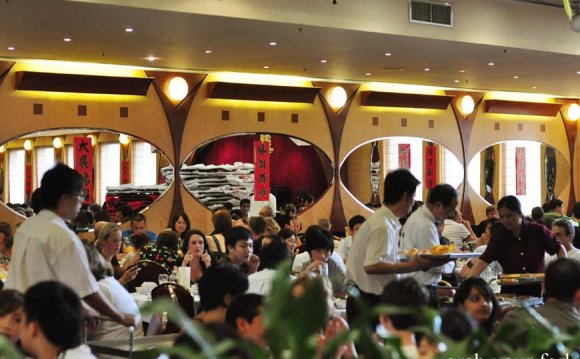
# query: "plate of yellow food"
520, 278
439, 252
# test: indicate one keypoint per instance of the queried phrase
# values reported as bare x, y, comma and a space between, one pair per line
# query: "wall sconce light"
573, 112
177, 88
338, 97
27, 145
124, 139
2, 149
57, 142
467, 105
93, 140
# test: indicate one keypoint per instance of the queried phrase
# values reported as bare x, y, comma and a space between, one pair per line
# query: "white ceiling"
37, 28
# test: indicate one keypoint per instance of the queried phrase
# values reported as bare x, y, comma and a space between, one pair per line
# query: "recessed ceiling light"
388, 54
463, 71
67, 39
151, 58
578, 72
368, 74
273, 43
456, 81
208, 51
490, 64
516, 77
426, 69
11, 48
323, 61
534, 87
128, 29
266, 67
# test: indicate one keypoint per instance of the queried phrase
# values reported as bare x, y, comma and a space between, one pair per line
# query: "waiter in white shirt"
372, 261
46, 249
420, 230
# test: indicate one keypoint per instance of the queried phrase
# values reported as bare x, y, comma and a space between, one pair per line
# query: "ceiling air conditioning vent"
432, 13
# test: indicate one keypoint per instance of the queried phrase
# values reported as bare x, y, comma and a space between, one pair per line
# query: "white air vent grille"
431, 13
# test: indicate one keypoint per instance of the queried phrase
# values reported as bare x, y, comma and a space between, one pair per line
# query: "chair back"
178, 295
149, 272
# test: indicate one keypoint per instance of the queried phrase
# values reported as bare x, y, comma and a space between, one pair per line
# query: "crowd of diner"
62, 279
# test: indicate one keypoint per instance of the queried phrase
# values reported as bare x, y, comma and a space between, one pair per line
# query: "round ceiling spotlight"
57, 142
467, 105
27, 145
574, 112
338, 97
178, 88
124, 139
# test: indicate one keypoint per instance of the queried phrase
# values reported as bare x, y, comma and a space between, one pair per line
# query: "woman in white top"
110, 288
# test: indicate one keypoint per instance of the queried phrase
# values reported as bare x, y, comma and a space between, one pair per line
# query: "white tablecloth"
142, 299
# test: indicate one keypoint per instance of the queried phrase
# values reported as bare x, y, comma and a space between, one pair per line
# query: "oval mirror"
222, 171
532, 171
125, 172
364, 169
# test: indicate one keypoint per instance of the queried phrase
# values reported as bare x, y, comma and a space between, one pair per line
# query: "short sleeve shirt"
523, 254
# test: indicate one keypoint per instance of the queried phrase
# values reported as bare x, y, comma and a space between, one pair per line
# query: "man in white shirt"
456, 229
420, 230
52, 324
46, 249
354, 225
372, 261
271, 256
563, 231
256, 206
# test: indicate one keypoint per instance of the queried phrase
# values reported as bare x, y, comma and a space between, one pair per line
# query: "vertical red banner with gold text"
520, 171
430, 166
261, 171
404, 155
83, 158
27, 174
125, 165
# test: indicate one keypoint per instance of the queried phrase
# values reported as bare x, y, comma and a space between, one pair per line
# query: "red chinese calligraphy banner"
261, 171
83, 158
520, 171
27, 174
430, 166
125, 172
404, 155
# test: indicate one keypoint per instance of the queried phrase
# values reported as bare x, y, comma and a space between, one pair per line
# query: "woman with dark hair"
164, 251
6, 241
518, 246
222, 222
11, 303
196, 256
476, 297
180, 224
139, 241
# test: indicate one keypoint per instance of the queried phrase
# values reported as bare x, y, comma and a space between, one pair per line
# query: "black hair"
218, 333
289, 209
456, 324
58, 311
547, 206
404, 293
228, 206
126, 212
566, 224
188, 235
168, 239
58, 181
397, 183
274, 253
318, 238
139, 240
556, 202
102, 216
247, 306
283, 220
10, 301
257, 225
8, 237
577, 210
286, 233
244, 201
561, 280
217, 281
94, 207
537, 213
138, 217
35, 201
512, 203
174, 220
485, 290
442, 193
235, 234
353, 221
491, 208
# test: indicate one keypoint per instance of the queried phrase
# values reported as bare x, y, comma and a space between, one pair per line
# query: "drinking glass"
163, 278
